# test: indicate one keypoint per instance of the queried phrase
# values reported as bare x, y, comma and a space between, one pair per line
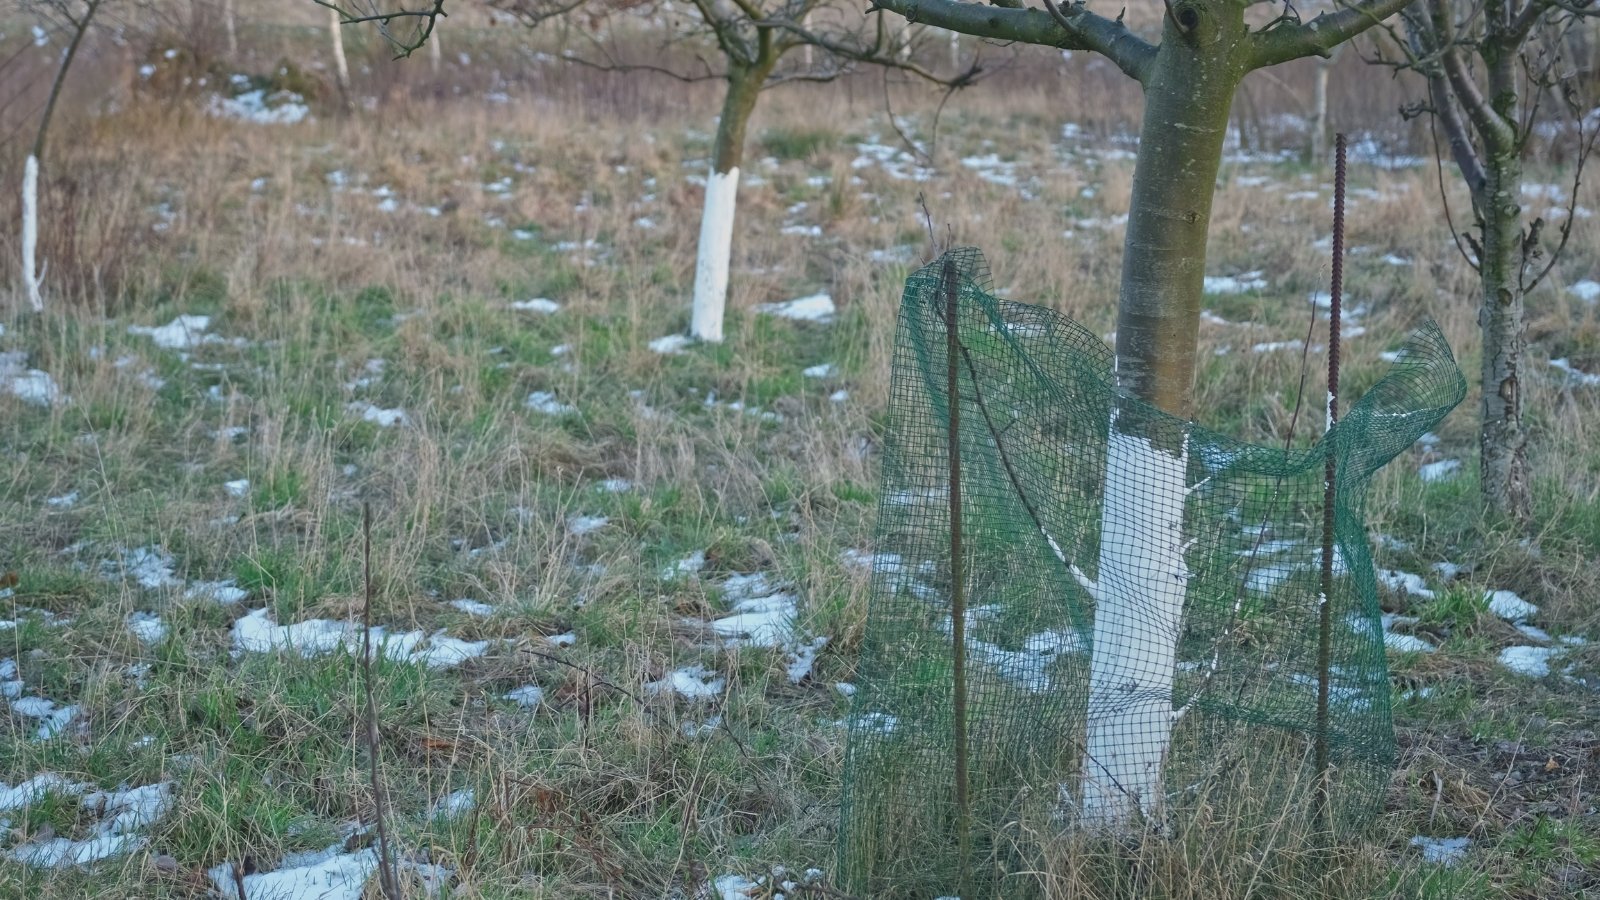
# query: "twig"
388, 881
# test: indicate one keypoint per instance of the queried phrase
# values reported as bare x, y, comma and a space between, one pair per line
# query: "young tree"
77, 20
1488, 66
1189, 78
752, 38
341, 68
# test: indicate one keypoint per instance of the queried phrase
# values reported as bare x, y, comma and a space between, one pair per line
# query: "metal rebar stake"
1330, 477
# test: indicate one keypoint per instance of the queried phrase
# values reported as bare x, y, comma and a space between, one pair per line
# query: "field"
445, 307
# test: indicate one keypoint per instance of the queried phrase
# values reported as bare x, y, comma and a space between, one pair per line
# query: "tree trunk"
1140, 584
435, 52
1501, 439
955, 52
341, 69
722, 188
1317, 145
31, 281
230, 28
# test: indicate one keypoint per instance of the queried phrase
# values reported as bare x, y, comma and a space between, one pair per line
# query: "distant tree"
76, 18
1490, 66
1189, 79
751, 39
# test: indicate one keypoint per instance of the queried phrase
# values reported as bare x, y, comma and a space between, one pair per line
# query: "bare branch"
426, 18
1083, 30
1319, 36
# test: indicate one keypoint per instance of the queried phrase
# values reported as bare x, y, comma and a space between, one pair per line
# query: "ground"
620, 580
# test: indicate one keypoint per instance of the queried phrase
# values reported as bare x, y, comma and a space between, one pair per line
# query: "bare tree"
1189, 78
405, 29
76, 18
1489, 67
750, 39
341, 68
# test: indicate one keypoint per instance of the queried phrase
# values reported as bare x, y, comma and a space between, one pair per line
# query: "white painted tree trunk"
1138, 592
1319, 110
435, 52
30, 232
711, 263
341, 69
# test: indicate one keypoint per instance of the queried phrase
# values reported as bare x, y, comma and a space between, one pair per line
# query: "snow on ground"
329, 875
1509, 606
257, 633
691, 683
1404, 583
383, 418
472, 607
812, 308
455, 803
581, 525
1533, 662
260, 107
1574, 374
546, 402
537, 304
821, 370
672, 343
120, 815
1587, 290
31, 385
1443, 470
1231, 284
527, 696
1442, 851
183, 333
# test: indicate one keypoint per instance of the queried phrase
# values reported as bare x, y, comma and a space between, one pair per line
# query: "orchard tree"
752, 39
1189, 76
75, 19
1489, 68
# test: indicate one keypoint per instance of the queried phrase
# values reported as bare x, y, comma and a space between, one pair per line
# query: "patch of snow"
1575, 374
804, 657
1406, 643
225, 592
1533, 662
37, 788
1227, 284
237, 488
821, 370
257, 106
1404, 583
566, 639
453, 804
183, 333
1586, 290
147, 627
813, 308
691, 683
581, 525
546, 402
527, 696
759, 621
1443, 470
383, 418
735, 887
672, 343
689, 565
326, 876
616, 485
1442, 851
1509, 606
537, 304
62, 502
472, 607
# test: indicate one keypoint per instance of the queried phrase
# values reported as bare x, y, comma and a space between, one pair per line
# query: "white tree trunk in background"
1319, 109
341, 69
1138, 593
711, 264
229, 27
30, 231
435, 52
955, 51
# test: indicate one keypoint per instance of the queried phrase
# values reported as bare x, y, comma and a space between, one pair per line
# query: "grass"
606, 788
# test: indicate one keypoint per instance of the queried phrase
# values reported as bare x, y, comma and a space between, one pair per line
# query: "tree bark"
230, 28
1502, 441
1142, 576
341, 69
1318, 139
435, 52
722, 188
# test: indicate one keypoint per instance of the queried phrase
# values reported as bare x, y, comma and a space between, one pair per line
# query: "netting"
1139, 605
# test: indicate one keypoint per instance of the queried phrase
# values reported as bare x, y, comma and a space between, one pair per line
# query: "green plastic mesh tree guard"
1141, 604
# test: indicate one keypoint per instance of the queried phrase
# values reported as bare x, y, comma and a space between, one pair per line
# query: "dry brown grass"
599, 793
